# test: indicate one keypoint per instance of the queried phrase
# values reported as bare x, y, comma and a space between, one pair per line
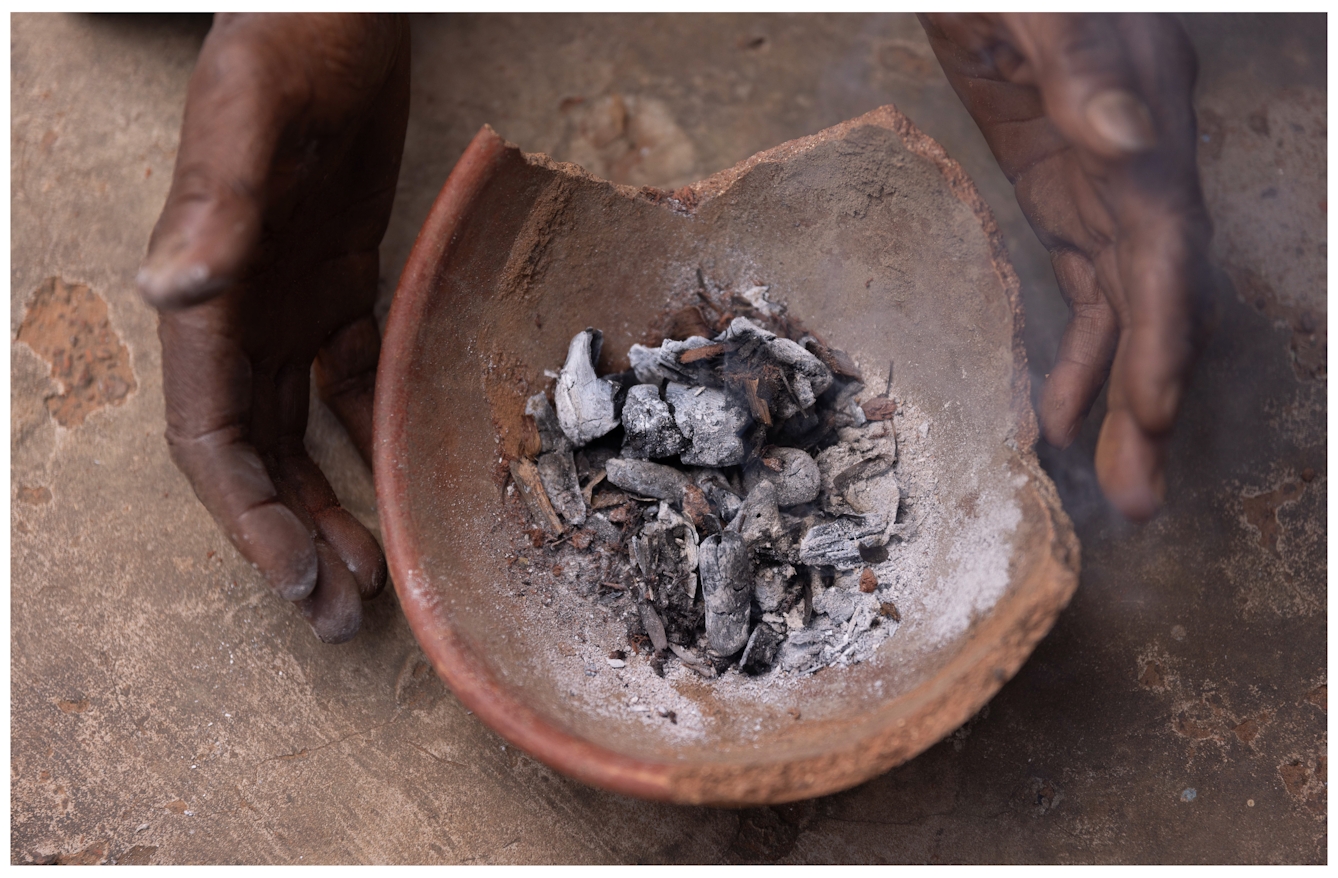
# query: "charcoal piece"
648, 425
771, 586
725, 502
758, 520
654, 626
760, 653
585, 402
711, 422
841, 363
551, 437
660, 364
837, 603
557, 472
646, 479
693, 661
857, 473
525, 476
805, 375
606, 530
726, 578
802, 650
797, 481
837, 543
666, 554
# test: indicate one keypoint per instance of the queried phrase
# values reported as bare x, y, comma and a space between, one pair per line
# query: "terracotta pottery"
876, 240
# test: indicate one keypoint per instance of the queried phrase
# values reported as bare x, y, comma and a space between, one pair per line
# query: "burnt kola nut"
726, 577
585, 402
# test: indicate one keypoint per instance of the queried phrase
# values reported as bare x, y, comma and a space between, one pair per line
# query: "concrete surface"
166, 709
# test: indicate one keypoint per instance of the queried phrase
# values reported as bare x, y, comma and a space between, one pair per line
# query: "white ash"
728, 527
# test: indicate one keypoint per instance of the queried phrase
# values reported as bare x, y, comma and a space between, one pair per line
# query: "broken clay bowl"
874, 238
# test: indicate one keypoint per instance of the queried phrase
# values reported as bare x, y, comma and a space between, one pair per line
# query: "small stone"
726, 579
650, 430
585, 402
616, 663
1308, 474
797, 481
868, 581
646, 479
890, 611
711, 423
838, 543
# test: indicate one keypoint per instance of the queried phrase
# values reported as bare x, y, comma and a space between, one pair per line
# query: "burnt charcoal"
710, 422
880, 408
646, 479
591, 459
557, 472
804, 375
771, 586
797, 481
661, 364
802, 650
758, 520
837, 603
551, 437
760, 653
604, 529
525, 476
857, 473
724, 499
666, 554
838, 361
726, 578
585, 402
654, 626
649, 430
838, 543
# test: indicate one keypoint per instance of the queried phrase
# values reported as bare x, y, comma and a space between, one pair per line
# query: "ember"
728, 498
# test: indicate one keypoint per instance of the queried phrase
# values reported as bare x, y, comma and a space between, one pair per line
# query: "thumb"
1087, 81
209, 227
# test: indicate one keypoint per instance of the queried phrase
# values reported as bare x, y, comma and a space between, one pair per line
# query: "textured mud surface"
165, 709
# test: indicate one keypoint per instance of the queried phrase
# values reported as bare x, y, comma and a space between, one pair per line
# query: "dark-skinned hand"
264, 260
1091, 118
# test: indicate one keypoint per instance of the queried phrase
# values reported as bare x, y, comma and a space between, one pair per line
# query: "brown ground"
166, 709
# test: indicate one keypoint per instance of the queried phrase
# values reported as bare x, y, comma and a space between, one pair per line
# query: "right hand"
265, 259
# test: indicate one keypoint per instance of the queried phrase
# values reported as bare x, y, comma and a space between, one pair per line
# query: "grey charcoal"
760, 653
710, 422
838, 543
803, 648
797, 481
758, 520
857, 474
666, 553
646, 479
837, 603
585, 407
604, 529
654, 625
551, 436
806, 375
557, 473
726, 578
660, 364
771, 586
648, 425
719, 493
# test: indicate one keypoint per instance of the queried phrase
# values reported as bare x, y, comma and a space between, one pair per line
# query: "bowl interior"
878, 243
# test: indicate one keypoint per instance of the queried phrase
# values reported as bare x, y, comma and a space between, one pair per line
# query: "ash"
726, 501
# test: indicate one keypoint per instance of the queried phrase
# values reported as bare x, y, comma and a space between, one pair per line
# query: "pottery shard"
710, 422
646, 479
557, 473
796, 481
838, 543
726, 578
585, 402
551, 437
650, 431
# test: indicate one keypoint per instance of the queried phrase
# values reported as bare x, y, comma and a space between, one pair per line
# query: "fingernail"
167, 282
1122, 119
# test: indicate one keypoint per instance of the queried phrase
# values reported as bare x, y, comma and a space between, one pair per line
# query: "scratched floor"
165, 709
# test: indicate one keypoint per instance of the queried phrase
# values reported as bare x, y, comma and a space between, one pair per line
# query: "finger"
345, 373
334, 609
207, 391
236, 107
1087, 82
1130, 461
1085, 351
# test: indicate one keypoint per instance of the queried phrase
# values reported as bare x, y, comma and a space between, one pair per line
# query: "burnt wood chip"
880, 408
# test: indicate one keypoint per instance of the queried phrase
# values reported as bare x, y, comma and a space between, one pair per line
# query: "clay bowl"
876, 240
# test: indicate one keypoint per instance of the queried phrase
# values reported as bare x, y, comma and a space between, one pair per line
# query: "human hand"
264, 260
1091, 118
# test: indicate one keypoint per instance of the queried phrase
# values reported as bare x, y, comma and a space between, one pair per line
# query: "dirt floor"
166, 709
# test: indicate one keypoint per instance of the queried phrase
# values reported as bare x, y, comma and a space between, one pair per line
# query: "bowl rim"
988, 658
